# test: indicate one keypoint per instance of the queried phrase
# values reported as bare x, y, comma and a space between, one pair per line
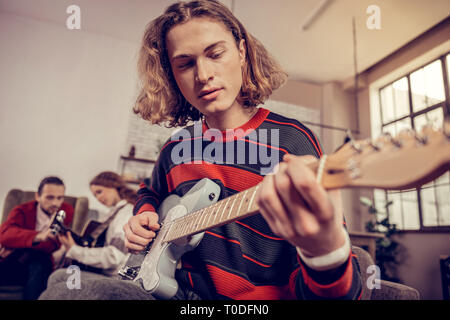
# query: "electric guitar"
406, 161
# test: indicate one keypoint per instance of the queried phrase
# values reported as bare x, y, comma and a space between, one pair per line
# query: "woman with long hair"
109, 252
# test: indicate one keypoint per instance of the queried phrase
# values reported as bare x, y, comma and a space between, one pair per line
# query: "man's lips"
209, 93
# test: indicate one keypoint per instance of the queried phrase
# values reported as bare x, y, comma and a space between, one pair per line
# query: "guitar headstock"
57, 224
406, 161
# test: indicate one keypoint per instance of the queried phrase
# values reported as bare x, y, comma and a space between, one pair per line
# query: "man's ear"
242, 52
36, 196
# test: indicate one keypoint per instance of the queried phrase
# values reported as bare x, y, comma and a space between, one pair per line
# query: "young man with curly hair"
198, 63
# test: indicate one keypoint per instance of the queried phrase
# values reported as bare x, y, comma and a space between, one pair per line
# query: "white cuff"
330, 260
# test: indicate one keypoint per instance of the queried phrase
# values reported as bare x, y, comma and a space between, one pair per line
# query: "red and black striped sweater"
243, 259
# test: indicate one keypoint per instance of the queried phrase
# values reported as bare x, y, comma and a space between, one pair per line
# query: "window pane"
427, 86
387, 104
390, 129
443, 200
429, 209
448, 66
395, 210
410, 210
402, 125
395, 128
436, 117
379, 197
400, 89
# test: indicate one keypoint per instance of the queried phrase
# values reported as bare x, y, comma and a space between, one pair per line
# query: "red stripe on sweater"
264, 145
236, 287
146, 207
222, 237
190, 280
316, 146
256, 231
238, 243
335, 289
226, 174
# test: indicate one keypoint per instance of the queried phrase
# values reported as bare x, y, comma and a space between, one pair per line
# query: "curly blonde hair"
161, 101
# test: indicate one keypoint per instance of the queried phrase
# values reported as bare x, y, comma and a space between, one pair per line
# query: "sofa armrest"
394, 291
80, 214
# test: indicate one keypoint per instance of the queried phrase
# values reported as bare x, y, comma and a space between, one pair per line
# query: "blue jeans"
28, 268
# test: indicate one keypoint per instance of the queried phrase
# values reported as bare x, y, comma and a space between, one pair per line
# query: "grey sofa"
387, 290
16, 197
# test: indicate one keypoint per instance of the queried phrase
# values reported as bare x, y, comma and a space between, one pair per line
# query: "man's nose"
204, 71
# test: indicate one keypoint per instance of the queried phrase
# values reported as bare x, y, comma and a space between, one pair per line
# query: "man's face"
51, 198
206, 64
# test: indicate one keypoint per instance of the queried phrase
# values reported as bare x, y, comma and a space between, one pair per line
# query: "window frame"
445, 105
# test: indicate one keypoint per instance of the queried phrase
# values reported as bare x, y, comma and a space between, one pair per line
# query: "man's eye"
185, 65
216, 55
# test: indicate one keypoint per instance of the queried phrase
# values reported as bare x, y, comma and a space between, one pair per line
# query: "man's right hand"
140, 230
43, 236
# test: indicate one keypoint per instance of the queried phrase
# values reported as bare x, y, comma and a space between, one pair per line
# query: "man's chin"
49, 212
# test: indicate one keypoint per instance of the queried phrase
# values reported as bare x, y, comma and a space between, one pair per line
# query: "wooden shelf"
132, 181
137, 159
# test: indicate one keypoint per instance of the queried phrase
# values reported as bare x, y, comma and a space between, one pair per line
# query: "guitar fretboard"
237, 206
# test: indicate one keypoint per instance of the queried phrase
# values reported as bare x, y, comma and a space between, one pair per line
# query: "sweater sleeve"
153, 190
342, 283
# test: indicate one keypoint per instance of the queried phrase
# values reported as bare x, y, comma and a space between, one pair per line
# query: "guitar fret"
204, 217
184, 228
242, 200
253, 196
218, 209
225, 206
209, 215
214, 215
191, 223
231, 210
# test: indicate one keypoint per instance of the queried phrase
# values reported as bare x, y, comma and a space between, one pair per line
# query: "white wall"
65, 100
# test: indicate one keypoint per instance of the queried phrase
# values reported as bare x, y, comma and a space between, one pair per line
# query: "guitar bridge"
129, 273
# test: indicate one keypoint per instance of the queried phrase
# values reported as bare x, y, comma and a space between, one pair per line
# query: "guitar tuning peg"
446, 128
421, 139
374, 146
396, 142
355, 146
392, 140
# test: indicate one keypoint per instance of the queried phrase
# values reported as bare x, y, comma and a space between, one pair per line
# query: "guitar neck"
235, 207
400, 163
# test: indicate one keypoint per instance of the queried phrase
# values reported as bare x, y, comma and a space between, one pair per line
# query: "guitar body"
156, 267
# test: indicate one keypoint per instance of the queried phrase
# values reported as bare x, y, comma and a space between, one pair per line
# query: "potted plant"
388, 251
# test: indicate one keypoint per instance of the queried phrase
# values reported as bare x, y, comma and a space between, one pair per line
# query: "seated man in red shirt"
26, 243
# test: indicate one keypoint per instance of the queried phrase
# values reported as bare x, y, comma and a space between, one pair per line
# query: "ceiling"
322, 53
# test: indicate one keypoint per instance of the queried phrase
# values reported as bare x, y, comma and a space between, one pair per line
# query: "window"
418, 98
